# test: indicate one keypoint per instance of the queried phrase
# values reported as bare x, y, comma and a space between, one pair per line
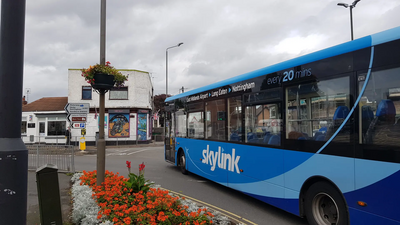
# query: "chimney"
24, 102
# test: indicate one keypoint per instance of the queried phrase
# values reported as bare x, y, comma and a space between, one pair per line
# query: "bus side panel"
362, 217
339, 170
377, 185
202, 159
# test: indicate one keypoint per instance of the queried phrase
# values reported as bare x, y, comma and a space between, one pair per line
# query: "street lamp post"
351, 13
101, 143
166, 81
166, 67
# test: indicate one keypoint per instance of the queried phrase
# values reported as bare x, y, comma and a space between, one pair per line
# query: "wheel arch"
307, 184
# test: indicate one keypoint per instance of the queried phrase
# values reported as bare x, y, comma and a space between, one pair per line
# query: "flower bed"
115, 202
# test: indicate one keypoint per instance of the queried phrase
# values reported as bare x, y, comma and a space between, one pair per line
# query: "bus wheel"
182, 163
325, 205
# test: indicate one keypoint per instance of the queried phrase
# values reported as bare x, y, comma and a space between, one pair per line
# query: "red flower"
128, 164
141, 167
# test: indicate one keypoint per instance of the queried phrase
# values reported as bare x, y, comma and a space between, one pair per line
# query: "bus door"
170, 137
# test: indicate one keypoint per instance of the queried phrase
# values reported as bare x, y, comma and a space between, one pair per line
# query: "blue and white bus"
317, 136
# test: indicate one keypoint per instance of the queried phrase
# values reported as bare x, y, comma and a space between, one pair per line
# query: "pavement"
33, 213
64, 182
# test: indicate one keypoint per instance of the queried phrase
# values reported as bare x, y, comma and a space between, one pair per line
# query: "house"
44, 121
128, 113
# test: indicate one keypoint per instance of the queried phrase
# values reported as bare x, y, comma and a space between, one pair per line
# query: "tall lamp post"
166, 79
166, 67
101, 143
351, 13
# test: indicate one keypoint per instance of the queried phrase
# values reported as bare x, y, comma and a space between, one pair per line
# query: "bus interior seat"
318, 133
367, 116
340, 114
295, 135
386, 111
383, 129
253, 140
266, 138
320, 137
323, 129
338, 118
251, 136
235, 137
275, 140
302, 138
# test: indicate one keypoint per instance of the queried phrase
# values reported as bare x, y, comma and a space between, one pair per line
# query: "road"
169, 177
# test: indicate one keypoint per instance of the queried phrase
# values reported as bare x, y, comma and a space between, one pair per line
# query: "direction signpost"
77, 114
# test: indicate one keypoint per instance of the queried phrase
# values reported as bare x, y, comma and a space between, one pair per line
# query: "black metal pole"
13, 153
351, 22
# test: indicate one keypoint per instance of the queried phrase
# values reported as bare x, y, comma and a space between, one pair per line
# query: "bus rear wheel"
182, 163
325, 205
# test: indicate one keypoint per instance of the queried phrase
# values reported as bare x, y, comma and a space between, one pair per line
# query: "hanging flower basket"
103, 81
104, 77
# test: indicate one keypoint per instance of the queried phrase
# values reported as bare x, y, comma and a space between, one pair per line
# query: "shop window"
56, 128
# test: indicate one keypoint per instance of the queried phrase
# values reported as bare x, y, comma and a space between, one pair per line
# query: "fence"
90, 140
60, 155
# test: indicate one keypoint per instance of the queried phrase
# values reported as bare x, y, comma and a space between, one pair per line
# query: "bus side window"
263, 124
380, 109
196, 125
315, 111
235, 119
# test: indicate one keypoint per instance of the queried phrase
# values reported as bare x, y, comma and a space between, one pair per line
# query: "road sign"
77, 108
79, 125
77, 118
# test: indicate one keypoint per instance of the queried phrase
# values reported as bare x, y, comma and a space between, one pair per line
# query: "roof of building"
46, 104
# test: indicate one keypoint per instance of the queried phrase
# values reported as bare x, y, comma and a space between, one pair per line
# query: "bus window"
380, 108
235, 119
215, 120
196, 125
315, 111
263, 124
180, 124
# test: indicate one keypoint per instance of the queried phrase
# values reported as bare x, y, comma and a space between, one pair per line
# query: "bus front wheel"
182, 163
325, 205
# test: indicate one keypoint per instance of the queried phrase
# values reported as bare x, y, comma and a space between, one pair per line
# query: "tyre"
182, 163
325, 205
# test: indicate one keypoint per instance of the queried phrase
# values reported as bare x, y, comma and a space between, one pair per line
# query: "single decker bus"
317, 136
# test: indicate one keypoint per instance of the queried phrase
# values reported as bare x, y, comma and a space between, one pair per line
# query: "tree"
159, 105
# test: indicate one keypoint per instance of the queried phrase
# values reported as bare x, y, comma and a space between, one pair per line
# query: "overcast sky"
222, 38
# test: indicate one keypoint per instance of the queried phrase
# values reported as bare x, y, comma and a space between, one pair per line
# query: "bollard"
49, 195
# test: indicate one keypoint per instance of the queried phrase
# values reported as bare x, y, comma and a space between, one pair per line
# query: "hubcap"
325, 210
183, 162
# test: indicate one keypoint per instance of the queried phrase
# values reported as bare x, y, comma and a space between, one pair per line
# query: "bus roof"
364, 42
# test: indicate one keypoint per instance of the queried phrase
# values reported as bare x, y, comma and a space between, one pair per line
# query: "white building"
44, 121
128, 112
